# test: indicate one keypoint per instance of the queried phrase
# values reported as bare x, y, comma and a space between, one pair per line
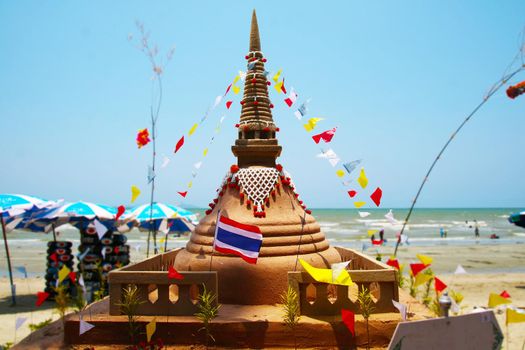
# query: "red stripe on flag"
238, 225
234, 252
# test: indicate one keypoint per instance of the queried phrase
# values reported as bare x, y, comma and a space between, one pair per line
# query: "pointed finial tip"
255, 42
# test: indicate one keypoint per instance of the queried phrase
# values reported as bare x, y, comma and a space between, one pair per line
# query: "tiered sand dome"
257, 192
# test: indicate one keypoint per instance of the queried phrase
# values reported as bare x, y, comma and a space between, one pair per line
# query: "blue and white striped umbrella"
16, 204
83, 210
179, 219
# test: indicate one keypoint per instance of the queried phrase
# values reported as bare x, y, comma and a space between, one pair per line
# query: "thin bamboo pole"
489, 95
13, 297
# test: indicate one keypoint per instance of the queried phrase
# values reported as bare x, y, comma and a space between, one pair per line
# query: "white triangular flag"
242, 75
337, 268
165, 162
346, 182
390, 217
84, 327
19, 322
363, 214
81, 281
137, 248
163, 227
218, 100
402, 309
101, 229
12, 225
454, 307
197, 165
103, 252
404, 239
460, 270
331, 156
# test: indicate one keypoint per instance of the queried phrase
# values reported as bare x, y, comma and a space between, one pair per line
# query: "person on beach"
476, 229
382, 235
441, 232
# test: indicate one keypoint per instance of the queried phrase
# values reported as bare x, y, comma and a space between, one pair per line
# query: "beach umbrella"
151, 217
79, 214
15, 207
518, 219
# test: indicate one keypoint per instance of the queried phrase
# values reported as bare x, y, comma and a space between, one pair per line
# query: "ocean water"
347, 228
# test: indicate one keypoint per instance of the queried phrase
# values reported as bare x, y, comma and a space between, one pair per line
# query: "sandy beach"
485, 265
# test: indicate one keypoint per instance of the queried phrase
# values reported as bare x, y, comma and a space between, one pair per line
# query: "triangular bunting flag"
179, 144
349, 320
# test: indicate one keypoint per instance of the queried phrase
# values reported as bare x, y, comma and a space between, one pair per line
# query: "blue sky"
396, 78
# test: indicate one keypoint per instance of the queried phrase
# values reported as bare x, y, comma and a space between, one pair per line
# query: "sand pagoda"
258, 191
255, 191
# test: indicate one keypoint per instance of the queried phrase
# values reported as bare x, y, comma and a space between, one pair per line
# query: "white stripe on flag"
248, 253
240, 232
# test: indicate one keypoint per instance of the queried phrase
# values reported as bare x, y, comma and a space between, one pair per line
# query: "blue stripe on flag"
238, 241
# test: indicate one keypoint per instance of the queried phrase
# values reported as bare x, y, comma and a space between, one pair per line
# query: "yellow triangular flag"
515, 316
151, 328
135, 192
325, 275
175, 215
193, 128
236, 89
496, 299
236, 79
277, 75
63, 273
422, 278
363, 181
190, 184
359, 204
205, 152
340, 173
279, 86
312, 122
427, 260
371, 232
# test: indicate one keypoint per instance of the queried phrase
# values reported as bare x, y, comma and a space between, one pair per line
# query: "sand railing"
159, 294
321, 299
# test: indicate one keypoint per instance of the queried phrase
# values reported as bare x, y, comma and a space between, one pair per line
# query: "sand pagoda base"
242, 326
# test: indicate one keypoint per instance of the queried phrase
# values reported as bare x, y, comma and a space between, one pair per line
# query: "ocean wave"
328, 224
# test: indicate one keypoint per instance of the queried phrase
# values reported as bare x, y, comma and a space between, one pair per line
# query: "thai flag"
232, 237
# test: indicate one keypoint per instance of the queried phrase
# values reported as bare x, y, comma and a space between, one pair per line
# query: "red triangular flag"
183, 193
417, 268
439, 285
394, 263
325, 136
54, 257
228, 89
41, 297
283, 89
505, 294
377, 242
120, 210
352, 193
349, 320
376, 196
179, 144
72, 276
172, 273
228, 104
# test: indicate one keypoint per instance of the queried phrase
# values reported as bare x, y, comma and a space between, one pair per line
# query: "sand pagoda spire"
257, 191
256, 144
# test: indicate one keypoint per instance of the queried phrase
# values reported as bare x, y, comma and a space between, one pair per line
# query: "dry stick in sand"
506, 77
156, 102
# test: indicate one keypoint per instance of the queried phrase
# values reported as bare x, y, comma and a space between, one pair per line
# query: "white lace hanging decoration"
257, 183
